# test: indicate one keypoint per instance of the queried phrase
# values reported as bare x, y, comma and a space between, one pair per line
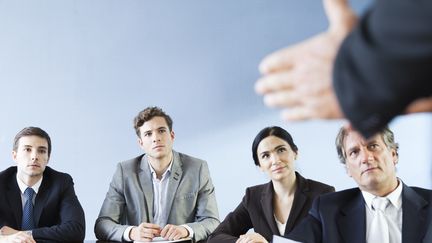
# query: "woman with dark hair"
276, 207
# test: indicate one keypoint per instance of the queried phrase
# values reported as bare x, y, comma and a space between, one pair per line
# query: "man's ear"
14, 155
172, 135
140, 142
347, 170
395, 157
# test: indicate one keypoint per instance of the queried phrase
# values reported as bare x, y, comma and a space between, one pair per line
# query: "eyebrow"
276, 148
162, 127
29, 146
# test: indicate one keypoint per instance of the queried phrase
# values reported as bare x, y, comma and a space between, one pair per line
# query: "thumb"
340, 15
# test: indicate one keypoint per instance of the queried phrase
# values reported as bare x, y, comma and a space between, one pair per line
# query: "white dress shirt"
393, 213
22, 186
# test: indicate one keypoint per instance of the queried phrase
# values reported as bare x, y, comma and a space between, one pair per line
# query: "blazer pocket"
186, 196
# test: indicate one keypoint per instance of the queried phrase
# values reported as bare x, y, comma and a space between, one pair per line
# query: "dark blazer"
341, 217
385, 63
256, 211
58, 213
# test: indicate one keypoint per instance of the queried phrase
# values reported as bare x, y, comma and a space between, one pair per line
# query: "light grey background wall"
83, 69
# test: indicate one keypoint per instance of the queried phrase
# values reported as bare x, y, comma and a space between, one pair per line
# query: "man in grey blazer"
159, 193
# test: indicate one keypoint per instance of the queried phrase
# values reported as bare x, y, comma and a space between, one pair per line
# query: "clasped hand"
10, 235
147, 231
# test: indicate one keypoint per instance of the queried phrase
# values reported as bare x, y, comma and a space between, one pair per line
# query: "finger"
285, 99
177, 235
279, 60
150, 226
171, 232
340, 15
165, 230
276, 81
297, 114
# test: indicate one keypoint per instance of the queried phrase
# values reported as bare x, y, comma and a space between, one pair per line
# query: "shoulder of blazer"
187, 159
308, 185
255, 193
133, 163
424, 193
7, 177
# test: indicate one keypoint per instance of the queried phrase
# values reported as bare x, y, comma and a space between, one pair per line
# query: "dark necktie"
28, 218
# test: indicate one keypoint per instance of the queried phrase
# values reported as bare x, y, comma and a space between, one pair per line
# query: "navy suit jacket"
341, 217
385, 63
58, 213
256, 211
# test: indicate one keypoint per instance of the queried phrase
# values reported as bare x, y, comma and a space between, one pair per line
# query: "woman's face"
276, 158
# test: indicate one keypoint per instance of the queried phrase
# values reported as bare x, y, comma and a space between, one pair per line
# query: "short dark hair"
32, 131
149, 113
271, 131
386, 135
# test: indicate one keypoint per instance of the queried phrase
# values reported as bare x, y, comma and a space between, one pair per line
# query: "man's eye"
373, 146
264, 156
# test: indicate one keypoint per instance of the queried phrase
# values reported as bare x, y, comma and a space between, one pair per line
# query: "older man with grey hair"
382, 209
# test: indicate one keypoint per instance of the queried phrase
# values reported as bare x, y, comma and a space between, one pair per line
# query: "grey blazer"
129, 200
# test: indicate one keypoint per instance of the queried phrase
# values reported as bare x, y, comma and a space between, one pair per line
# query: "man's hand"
10, 235
6, 230
174, 232
251, 238
299, 78
145, 232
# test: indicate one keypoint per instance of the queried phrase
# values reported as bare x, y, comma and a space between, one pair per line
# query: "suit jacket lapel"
352, 220
41, 197
267, 206
414, 213
298, 203
174, 181
14, 198
147, 188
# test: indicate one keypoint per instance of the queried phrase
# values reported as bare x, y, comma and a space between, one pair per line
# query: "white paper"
278, 239
162, 240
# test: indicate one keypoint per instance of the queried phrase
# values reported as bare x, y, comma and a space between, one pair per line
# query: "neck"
384, 190
285, 187
29, 180
160, 165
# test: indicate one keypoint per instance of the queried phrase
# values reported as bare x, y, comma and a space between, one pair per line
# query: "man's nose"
366, 156
34, 155
156, 137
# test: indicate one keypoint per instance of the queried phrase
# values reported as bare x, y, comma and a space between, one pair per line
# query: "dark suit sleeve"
235, 224
70, 216
385, 63
310, 229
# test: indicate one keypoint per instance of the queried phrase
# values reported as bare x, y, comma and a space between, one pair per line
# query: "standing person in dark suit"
381, 67
350, 215
51, 211
276, 207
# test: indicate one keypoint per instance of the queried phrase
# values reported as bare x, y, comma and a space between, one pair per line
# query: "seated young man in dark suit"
355, 215
35, 198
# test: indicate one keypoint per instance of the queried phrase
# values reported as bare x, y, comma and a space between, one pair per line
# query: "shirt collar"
165, 174
22, 186
395, 197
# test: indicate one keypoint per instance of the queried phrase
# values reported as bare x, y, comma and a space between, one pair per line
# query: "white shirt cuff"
126, 233
189, 229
